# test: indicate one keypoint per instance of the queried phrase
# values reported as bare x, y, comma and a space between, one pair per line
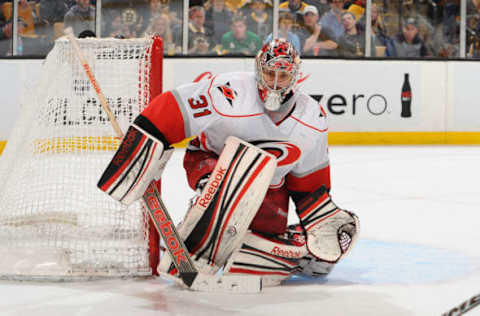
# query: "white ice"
418, 252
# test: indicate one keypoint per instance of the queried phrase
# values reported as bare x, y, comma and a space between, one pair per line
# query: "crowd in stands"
336, 28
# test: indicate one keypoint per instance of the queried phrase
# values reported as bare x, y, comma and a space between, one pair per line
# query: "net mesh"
54, 222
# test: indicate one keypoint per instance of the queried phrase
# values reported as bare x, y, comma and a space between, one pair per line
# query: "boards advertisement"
366, 101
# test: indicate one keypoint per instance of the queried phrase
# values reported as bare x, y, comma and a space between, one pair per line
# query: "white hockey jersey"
229, 104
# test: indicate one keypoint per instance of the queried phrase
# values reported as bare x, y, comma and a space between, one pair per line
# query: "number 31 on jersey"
199, 103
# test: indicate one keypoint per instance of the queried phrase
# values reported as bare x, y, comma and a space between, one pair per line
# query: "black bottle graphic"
406, 98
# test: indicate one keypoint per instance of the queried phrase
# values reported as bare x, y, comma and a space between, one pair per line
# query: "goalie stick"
464, 307
189, 274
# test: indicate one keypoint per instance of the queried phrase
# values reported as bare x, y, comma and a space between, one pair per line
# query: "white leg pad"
272, 258
218, 221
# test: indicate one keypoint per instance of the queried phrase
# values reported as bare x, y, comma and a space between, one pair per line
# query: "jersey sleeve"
178, 114
196, 105
300, 185
313, 170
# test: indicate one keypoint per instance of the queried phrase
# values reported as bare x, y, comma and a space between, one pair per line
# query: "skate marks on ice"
160, 297
283, 300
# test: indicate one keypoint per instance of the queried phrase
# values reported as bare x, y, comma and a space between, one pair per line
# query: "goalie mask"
277, 67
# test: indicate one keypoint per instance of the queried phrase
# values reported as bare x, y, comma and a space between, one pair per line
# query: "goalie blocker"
140, 158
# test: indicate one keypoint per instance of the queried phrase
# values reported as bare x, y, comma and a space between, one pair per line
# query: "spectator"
432, 10
200, 40
71, 3
118, 29
133, 19
259, 17
173, 9
321, 5
473, 49
285, 23
52, 11
316, 40
447, 39
357, 8
197, 3
473, 29
348, 3
408, 43
473, 7
80, 17
157, 7
218, 18
5, 34
333, 18
295, 8
352, 42
239, 40
234, 5
160, 26
380, 40
426, 32
28, 16
27, 40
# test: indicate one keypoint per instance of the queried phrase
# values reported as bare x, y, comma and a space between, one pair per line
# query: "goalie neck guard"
277, 68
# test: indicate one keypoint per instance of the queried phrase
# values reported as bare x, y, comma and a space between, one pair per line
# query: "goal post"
54, 222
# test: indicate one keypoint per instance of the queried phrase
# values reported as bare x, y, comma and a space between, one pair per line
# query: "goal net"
54, 222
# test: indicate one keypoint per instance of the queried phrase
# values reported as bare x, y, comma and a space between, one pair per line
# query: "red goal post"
54, 222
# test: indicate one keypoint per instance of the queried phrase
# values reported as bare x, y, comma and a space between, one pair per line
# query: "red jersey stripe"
309, 126
310, 182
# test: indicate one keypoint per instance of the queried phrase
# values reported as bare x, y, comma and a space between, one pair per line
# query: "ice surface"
418, 252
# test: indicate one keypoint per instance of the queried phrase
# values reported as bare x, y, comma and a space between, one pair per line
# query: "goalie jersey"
229, 105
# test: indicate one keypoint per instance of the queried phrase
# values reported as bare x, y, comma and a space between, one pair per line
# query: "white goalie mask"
277, 68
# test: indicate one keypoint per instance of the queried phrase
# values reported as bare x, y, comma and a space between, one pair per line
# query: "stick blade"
227, 284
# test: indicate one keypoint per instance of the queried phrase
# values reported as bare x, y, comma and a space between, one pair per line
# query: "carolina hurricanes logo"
285, 152
228, 92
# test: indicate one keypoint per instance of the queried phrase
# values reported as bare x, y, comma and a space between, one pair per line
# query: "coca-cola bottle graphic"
406, 98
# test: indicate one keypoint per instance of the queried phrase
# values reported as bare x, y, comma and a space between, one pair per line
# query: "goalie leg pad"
274, 258
218, 221
330, 231
139, 159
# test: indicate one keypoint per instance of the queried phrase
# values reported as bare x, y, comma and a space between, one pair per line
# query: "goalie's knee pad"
330, 231
274, 258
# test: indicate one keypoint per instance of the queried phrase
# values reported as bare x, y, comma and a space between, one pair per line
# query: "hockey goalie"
237, 221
